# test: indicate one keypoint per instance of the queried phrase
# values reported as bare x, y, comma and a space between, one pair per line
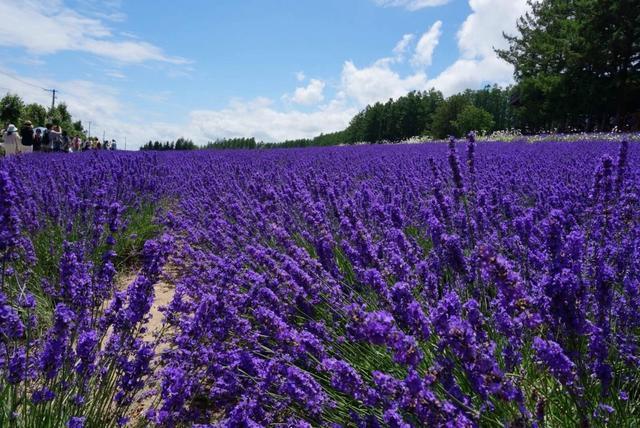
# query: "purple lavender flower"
9, 219
623, 155
394, 419
86, 351
354, 273
300, 386
76, 422
17, 368
551, 355
42, 395
11, 325
344, 378
454, 164
56, 346
471, 148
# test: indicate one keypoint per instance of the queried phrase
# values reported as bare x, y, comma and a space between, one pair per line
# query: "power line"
53, 91
23, 81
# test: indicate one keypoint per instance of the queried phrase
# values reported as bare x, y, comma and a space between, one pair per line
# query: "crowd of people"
51, 138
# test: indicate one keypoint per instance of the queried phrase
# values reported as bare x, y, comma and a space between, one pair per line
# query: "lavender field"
472, 284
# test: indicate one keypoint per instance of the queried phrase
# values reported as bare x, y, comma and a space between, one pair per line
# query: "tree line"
179, 144
13, 110
187, 144
426, 114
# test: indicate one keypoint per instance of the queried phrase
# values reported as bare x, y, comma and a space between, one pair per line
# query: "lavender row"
489, 284
72, 341
425, 285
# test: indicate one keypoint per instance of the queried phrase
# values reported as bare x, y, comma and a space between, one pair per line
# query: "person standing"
26, 132
55, 138
64, 142
37, 140
11, 140
75, 144
46, 138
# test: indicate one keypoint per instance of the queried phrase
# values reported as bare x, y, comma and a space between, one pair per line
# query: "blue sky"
273, 69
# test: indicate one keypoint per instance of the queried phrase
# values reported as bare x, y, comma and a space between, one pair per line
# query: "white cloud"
300, 76
482, 30
480, 33
411, 4
426, 45
377, 82
47, 27
260, 119
403, 45
116, 74
310, 94
472, 73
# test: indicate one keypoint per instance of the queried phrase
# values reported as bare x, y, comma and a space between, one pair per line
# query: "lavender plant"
348, 286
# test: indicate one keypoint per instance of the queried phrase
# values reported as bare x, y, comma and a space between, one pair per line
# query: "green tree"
444, 118
496, 101
36, 113
77, 128
11, 110
61, 116
429, 103
473, 118
577, 63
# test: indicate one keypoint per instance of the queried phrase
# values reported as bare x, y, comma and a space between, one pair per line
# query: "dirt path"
163, 296
164, 293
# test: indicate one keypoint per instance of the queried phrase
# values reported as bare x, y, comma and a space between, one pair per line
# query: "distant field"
468, 284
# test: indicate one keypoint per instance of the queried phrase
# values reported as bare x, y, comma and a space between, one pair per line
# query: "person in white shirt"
12, 141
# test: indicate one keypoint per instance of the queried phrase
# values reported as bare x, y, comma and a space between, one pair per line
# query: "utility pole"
53, 101
89, 136
53, 98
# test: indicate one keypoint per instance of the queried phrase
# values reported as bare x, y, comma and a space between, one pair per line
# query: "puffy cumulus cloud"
47, 27
357, 87
261, 119
426, 45
480, 33
403, 45
472, 73
411, 4
308, 95
377, 82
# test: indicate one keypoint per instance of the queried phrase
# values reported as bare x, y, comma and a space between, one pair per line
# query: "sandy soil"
163, 295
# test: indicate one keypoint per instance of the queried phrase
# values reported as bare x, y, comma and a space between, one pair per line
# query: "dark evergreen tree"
577, 64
